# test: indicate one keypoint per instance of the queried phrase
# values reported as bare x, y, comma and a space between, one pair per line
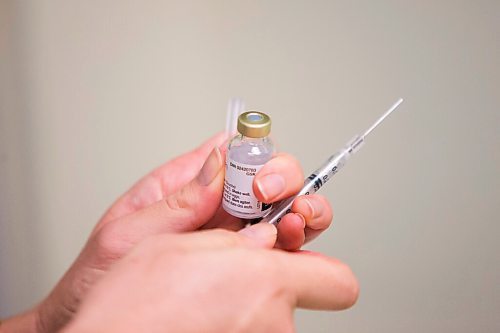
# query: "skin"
223, 282
183, 195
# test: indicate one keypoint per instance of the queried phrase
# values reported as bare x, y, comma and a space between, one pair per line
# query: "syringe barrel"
319, 177
311, 185
337, 161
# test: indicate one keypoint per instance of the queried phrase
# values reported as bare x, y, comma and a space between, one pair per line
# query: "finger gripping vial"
247, 153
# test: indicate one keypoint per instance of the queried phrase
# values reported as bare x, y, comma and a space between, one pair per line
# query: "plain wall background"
94, 94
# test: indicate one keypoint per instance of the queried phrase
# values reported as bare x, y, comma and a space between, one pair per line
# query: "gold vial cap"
254, 124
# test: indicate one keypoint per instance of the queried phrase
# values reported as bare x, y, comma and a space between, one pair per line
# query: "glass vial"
246, 155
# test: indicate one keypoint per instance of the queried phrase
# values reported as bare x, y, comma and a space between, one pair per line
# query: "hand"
213, 281
182, 195
280, 178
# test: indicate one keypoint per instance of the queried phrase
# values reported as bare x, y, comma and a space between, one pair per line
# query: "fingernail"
263, 234
270, 186
315, 207
211, 168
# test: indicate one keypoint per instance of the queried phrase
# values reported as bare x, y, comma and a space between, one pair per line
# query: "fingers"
281, 174
256, 236
310, 280
279, 178
185, 210
164, 180
317, 212
224, 220
262, 235
311, 215
291, 232
317, 282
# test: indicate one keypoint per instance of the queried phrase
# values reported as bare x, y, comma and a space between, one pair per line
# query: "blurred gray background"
94, 94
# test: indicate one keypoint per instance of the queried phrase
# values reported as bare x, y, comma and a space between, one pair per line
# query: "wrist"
43, 318
27, 322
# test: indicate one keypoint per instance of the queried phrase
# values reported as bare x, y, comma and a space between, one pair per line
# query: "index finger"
280, 178
317, 282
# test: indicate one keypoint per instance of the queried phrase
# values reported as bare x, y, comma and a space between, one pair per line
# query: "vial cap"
254, 124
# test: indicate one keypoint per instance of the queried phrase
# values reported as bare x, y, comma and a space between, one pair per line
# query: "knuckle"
182, 202
109, 245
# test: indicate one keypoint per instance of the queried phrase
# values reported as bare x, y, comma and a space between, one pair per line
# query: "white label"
238, 192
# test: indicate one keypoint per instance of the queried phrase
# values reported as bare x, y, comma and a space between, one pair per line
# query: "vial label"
238, 193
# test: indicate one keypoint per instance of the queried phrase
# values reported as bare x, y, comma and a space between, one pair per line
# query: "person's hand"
213, 281
172, 184
182, 195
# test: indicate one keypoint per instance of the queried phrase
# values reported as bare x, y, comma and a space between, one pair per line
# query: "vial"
247, 153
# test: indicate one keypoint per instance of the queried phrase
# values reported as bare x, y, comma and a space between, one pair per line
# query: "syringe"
319, 177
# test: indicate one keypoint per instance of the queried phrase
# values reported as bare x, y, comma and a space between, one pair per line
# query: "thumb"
185, 210
260, 234
194, 204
